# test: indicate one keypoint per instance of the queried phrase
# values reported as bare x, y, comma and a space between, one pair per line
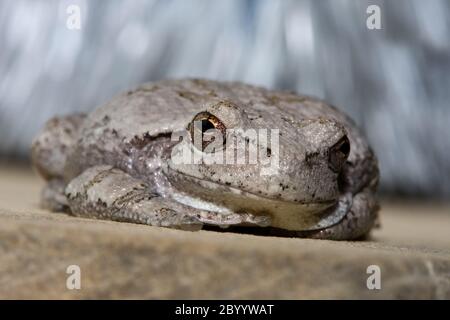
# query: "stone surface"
120, 260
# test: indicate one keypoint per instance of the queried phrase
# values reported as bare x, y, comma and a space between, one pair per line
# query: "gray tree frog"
117, 162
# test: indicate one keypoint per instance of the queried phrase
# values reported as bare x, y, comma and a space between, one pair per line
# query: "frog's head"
249, 160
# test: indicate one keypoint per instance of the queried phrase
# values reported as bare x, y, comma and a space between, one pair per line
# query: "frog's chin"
213, 196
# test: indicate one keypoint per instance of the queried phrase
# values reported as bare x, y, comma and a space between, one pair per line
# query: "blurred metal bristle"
394, 82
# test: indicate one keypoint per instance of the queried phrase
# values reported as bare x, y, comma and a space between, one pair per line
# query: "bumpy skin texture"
116, 163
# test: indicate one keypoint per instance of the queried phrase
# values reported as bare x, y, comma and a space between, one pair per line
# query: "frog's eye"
207, 132
339, 153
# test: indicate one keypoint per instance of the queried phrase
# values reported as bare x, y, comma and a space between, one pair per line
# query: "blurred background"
395, 82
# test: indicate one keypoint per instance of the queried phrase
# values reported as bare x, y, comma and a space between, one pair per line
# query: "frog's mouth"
289, 215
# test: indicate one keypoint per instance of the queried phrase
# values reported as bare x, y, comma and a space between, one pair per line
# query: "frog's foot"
104, 192
53, 197
356, 224
52, 146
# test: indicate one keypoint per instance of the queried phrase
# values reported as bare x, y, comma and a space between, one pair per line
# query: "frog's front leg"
105, 192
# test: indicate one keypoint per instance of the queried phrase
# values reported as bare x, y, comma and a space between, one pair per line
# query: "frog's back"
157, 109
166, 106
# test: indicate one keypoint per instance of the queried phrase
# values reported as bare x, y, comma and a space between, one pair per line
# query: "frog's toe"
53, 197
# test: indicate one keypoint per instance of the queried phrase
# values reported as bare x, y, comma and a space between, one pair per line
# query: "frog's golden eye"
207, 131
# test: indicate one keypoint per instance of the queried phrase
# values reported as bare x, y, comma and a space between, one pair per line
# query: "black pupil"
206, 125
345, 148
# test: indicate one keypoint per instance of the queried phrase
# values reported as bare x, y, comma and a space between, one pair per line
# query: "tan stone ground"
121, 260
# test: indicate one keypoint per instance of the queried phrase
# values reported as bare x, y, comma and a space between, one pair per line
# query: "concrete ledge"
119, 260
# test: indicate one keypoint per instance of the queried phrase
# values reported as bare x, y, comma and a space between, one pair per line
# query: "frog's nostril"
338, 154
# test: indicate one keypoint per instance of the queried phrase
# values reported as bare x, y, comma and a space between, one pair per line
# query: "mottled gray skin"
115, 163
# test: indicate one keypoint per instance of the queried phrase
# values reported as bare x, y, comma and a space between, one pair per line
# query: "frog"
130, 160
